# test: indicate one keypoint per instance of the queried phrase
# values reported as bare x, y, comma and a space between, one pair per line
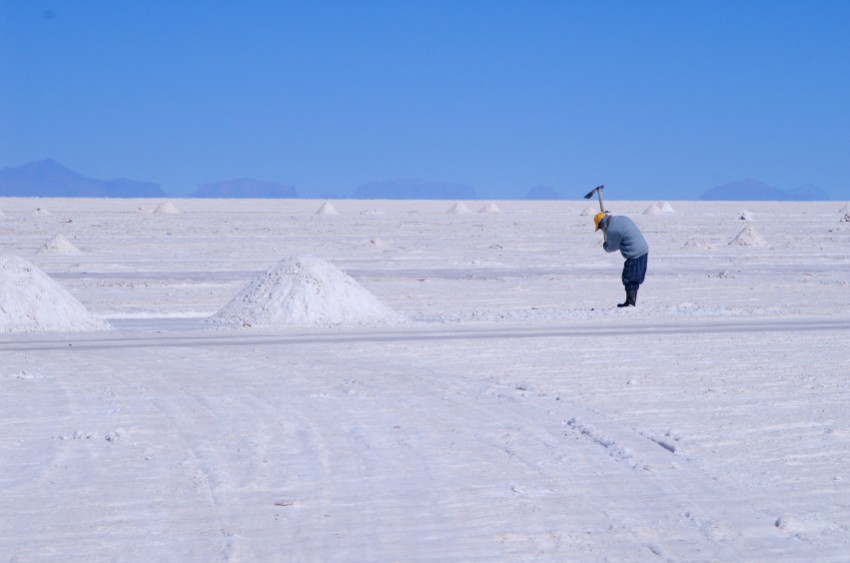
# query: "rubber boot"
631, 299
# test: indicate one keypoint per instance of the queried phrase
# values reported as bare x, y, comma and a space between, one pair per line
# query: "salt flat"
514, 414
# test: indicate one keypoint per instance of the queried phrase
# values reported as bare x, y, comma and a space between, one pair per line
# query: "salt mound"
746, 216
166, 208
59, 245
653, 209
846, 218
698, 244
327, 209
659, 208
587, 212
748, 237
32, 302
845, 209
459, 208
40, 212
490, 208
304, 290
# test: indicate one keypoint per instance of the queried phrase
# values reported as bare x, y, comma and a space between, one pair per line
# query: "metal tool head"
598, 191
593, 191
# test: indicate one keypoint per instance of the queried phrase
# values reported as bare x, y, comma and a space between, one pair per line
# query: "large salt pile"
459, 208
40, 212
32, 302
490, 208
166, 208
304, 290
59, 245
327, 209
748, 237
587, 212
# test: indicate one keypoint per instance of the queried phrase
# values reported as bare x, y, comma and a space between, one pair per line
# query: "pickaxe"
598, 190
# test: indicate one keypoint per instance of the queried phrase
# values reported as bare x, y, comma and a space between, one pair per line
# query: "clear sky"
654, 99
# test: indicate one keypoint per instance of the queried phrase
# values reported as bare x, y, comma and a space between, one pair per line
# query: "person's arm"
612, 239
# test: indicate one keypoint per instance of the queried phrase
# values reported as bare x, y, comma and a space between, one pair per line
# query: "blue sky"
654, 99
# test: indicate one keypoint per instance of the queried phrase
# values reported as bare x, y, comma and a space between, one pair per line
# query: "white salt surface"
32, 302
378, 243
520, 416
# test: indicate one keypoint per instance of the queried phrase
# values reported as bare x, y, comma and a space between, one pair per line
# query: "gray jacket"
622, 234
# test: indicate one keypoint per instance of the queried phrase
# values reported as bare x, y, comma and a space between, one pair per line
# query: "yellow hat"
597, 219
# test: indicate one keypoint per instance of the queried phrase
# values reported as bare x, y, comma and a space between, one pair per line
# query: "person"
621, 233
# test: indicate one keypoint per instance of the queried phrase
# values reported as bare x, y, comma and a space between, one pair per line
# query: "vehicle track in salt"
247, 430
343, 434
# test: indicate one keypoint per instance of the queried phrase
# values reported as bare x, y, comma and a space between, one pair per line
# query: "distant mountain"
48, 178
807, 193
542, 193
245, 188
414, 189
744, 190
755, 190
